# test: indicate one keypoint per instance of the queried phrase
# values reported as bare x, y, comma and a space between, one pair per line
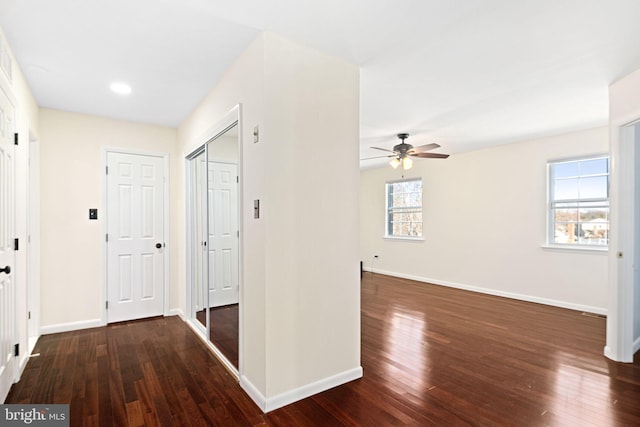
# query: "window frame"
596, 202
390, 209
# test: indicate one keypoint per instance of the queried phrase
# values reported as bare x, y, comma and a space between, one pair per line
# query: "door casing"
103, 221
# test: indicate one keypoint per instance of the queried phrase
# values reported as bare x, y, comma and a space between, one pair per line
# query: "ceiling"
466, 74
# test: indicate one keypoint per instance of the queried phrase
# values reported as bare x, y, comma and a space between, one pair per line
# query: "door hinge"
16, 350
29, 315
106, 305
238, 233
15, 139
106, 237
106, 170
237, 179
16, 244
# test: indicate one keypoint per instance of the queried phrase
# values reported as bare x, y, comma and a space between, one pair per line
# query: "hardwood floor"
431, 356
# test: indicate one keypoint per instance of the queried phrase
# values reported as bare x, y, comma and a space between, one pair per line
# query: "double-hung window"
404, 209
579, 202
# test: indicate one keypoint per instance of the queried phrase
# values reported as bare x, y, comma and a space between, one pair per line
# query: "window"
404, 209
579, 202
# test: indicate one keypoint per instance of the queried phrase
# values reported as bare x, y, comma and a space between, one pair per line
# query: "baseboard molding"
495, 292
286, 398
176, 312
636, 345
253, 392
71, 326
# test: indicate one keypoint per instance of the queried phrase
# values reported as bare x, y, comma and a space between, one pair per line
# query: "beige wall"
301, 287
485, 225
72, 171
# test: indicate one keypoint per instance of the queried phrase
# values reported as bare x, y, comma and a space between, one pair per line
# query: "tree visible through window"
579, 201
404, 208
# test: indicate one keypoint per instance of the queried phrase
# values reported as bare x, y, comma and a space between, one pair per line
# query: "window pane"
580, 204
565, 170
595, 215
566, 215
594, 167
566, 189
565, 232
593, 187
404, 203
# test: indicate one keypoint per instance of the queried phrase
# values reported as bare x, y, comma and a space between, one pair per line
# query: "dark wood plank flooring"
431, 356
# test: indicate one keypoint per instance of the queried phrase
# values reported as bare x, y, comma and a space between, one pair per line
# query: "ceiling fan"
403, 152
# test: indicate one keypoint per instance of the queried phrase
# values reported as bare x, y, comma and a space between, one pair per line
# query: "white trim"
103, 226
253, 392
495, 292
71, 326
404, 238
176, 312
603, 250
619, 346
288, 397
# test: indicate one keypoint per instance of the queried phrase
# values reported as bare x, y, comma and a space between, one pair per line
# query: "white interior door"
135, 228
223, 245
7, 234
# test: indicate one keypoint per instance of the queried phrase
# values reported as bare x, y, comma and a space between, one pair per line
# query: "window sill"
411, 239
577, 248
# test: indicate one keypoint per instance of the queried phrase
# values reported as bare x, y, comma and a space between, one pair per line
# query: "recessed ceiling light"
120, 88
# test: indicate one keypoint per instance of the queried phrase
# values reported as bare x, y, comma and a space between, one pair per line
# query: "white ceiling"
466, 74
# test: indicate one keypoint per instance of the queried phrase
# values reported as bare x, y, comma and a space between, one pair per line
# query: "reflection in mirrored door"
214, 201
223, 242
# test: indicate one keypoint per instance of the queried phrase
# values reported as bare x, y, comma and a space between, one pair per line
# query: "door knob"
6, 270
158, 245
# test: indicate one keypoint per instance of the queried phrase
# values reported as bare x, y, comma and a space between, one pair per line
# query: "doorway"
135, 237
8, 315
214, 248
623, 317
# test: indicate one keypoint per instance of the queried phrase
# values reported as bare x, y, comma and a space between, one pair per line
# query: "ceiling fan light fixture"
394, 163
407, 163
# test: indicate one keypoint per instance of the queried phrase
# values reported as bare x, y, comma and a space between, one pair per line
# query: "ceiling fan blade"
378, 157
423, 148
383, 149
429, 155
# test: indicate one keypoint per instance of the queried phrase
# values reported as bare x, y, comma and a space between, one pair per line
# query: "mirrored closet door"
215, 242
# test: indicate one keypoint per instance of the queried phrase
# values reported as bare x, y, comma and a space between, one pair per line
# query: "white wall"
71, 177
485, 225
301, 289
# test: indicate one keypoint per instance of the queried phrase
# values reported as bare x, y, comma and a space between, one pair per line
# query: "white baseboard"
512, 295
636, 345
71, 326
253, 392
177, 312
286, 398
